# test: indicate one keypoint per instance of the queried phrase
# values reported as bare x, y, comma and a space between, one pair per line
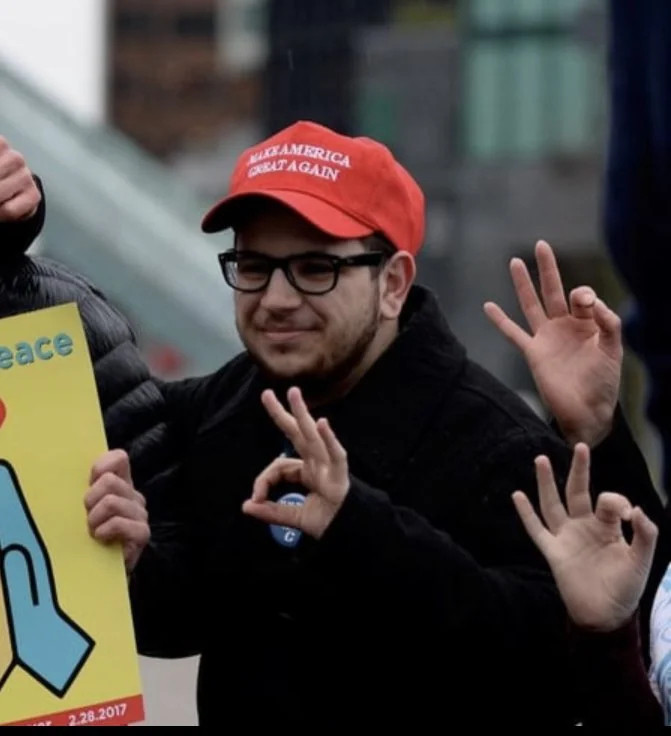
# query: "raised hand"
600, 576
574, 350
19, 195
321, 469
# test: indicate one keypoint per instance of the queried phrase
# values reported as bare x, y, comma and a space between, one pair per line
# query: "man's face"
301, 338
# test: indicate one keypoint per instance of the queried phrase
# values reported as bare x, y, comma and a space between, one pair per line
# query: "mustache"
275, 325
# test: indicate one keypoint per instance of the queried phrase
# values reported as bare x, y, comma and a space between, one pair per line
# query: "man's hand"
19, 195
574, 353
600, 577
321, 470
116, 511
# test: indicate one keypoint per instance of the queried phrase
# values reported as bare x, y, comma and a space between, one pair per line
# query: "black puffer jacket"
132, 404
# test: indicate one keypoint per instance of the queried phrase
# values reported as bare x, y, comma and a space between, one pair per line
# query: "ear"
396, 279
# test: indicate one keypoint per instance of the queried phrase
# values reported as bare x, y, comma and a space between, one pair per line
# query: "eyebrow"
326, 241
309, 248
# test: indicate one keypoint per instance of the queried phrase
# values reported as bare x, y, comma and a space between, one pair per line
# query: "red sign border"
133, 713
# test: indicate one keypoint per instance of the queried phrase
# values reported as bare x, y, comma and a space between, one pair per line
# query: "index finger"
115, 462
534, 527
108, 484
508, 328
281, 469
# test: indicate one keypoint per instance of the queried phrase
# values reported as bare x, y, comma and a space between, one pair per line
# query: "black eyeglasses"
309, 273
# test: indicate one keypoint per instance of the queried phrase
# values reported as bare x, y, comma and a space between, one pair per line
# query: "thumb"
610, 328
275, 513
645, 539
20, 582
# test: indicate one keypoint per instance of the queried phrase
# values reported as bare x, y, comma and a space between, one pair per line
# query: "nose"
280, 294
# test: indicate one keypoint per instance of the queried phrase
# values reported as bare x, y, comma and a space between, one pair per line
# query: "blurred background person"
638, 191
638, 233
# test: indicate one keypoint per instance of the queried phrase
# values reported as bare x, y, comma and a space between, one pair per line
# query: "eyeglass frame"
371, 258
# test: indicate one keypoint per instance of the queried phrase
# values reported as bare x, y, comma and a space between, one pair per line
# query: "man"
33, 283
450, 615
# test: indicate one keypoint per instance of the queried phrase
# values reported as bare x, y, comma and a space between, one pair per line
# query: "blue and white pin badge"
287, 536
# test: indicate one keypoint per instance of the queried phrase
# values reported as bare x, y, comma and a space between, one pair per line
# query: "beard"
331, 368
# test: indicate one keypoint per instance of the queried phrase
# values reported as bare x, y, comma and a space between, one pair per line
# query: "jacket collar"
382, 420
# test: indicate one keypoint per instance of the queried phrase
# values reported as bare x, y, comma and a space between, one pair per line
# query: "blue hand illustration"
46, 642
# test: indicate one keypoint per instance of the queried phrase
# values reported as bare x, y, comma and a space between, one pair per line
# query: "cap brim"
322, 215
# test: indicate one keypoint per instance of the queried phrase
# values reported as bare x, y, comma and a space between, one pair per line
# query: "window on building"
199, 25
530, 84
133, 22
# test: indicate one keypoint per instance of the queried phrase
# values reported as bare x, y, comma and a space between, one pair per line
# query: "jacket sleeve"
618, 465
17, 237
503, 597
183, 399
388, 556
167, 584
386, 548
614, 686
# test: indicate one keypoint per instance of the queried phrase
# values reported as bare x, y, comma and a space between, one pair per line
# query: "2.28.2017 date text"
96, 715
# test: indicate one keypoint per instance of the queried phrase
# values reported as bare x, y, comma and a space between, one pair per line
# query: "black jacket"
132, 403
424, 602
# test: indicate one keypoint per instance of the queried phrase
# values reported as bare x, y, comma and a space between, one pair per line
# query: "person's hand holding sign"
19, 195
116, 511
321, 469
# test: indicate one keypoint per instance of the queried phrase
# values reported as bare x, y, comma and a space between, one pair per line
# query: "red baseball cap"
346, 187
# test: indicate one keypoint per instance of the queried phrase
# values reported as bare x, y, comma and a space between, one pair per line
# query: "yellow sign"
67, 648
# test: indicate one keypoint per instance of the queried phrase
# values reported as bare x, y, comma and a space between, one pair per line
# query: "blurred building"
532, 105
496, 107
169, 89
310, 70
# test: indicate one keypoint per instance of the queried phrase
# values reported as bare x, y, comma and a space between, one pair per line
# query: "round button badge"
287, 536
